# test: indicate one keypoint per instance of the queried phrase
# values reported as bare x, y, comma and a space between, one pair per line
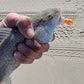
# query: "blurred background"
64, 62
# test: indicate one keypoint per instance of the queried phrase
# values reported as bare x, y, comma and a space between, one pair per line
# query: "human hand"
30, 50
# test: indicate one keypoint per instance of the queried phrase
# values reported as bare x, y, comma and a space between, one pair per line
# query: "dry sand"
64, 62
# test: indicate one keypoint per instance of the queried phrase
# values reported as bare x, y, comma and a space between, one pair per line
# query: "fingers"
34, 45
31, 50
22, 59
22, 22
28, 52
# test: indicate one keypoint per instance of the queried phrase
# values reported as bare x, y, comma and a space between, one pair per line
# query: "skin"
30, 50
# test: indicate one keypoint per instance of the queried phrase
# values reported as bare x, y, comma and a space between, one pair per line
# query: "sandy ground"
64, 62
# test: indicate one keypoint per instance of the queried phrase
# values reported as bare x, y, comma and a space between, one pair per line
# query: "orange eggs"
68, 21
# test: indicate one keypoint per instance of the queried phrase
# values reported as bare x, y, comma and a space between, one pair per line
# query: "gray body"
44, 24
7, 60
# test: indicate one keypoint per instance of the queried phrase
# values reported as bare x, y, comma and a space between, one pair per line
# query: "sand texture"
64, 62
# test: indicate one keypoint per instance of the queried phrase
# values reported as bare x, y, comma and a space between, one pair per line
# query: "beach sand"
64, 62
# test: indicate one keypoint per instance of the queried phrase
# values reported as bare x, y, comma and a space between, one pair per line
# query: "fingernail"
30, 32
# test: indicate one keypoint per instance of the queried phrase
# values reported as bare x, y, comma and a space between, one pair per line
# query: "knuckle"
34, 46
11, 14
29, 42
25, 50
20, 46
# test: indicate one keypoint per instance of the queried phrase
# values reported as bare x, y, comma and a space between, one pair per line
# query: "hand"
30, 50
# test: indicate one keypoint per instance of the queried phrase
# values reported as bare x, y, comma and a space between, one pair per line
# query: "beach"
64, 62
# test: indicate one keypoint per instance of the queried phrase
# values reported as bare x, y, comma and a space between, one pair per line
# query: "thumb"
25, 27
